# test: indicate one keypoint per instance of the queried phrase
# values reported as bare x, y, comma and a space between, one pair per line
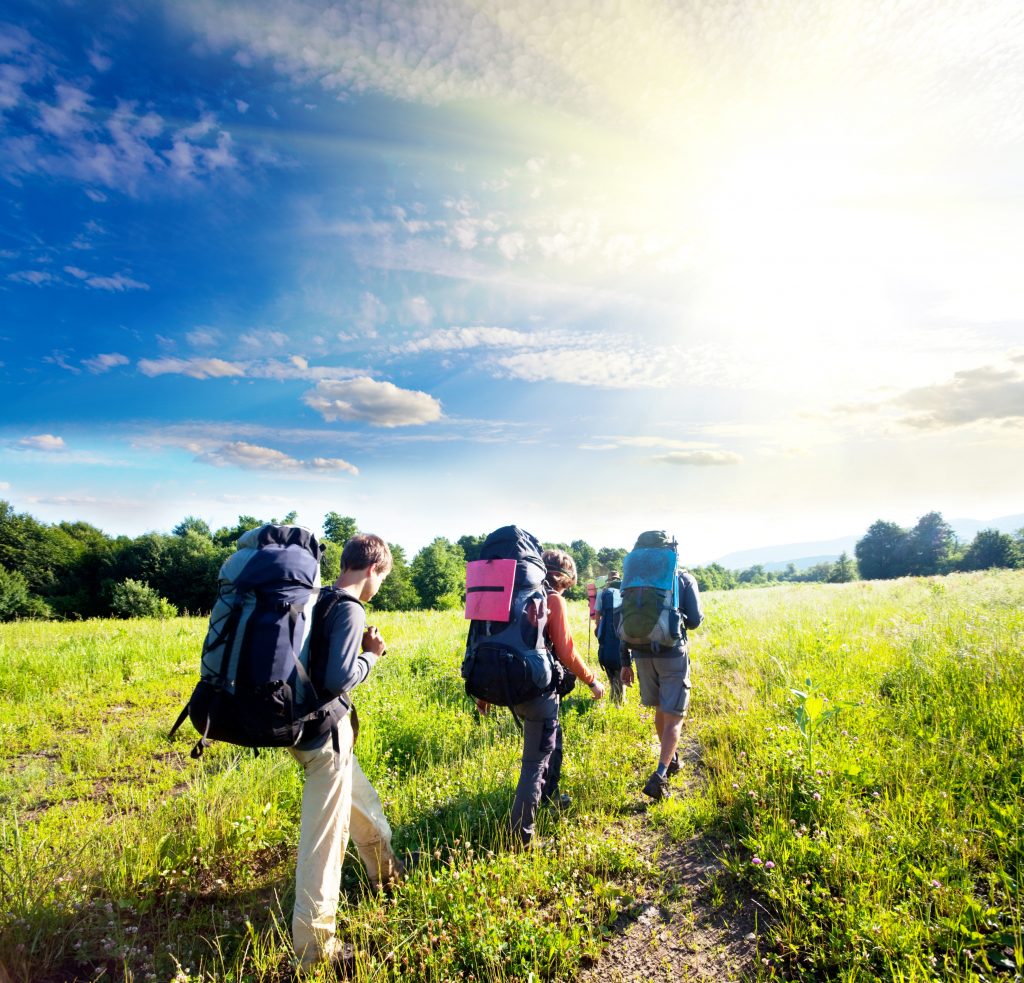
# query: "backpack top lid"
274, 556
513, 543
655, 539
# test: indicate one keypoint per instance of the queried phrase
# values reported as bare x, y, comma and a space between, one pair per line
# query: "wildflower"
735, 785
875, 795
756, 861
769, 865
816, 796
936, 883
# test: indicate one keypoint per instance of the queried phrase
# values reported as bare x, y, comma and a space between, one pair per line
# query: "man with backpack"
660, 602
337, 798
608, 611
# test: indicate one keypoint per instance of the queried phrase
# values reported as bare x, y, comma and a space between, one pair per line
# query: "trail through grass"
886, 847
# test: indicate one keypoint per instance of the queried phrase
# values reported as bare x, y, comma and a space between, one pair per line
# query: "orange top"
561, 640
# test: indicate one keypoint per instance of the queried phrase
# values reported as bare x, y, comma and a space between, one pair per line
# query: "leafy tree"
26, 548
15, 599
714, 577
132, 599
585, 556
930, 545
844, 570
882, 551
610, 558
189, 577
339, 528
397, 593
193, 524
439, 574
471, 546
289, 519
330, 561
229, 535
991, 548
755, 576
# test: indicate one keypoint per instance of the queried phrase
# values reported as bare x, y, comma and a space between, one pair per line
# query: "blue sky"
749, 272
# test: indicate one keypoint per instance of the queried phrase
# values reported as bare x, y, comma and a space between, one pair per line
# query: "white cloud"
36, 277
700, 458
254, 457
382, 404
203, 337
583, 366
264, 339
417, 310
988, 394
5, 486
118, 283
102, 363
195, 368
71, 132
455, 339
43, 442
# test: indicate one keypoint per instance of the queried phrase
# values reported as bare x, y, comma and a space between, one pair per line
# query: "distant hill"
804, 555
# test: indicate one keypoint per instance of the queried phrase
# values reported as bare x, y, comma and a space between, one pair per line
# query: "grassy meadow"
876, 813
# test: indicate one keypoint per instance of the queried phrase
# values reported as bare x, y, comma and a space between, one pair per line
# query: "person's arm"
689, 601
565, 649
348, 662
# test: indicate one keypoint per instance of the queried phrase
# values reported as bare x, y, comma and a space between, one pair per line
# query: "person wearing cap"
541, 768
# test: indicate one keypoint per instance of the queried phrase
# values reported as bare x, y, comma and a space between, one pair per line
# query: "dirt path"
684, 928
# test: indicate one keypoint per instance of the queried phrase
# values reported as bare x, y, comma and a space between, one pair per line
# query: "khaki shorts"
664, 682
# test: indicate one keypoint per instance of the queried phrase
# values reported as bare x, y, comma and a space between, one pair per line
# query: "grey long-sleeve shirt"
347, 664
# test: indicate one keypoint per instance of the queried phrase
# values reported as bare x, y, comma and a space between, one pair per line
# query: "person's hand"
372, 642
597, 689
626, 675
483, 706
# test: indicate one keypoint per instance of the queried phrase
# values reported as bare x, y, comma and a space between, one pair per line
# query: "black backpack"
507, 661
258, 683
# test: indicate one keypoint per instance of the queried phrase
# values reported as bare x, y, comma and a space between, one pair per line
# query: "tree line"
75, 570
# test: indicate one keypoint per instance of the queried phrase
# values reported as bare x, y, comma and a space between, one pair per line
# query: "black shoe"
656, 787
673, 767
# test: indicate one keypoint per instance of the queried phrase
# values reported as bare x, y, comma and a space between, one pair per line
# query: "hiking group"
282, 657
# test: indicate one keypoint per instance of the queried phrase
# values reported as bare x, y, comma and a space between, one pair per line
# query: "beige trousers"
337, 801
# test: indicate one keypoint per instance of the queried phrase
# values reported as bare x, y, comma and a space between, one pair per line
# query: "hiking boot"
656, 787
561, 802
340, 956
673, 767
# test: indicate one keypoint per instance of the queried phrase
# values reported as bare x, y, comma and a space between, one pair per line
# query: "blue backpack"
650, 593
258, 673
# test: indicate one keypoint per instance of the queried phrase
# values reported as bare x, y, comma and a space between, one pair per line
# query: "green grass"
889, 849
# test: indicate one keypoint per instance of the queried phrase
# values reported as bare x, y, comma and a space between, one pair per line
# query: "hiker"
608, 611
541, 767
660, 602
337, 798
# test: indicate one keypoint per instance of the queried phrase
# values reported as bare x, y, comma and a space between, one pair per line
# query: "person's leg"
323, 836
540, 737
553, 769
371, 832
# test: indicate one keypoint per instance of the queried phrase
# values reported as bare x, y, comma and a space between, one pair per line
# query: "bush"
15, 599
136, 599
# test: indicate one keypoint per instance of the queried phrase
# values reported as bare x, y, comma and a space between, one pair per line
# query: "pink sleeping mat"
489, 585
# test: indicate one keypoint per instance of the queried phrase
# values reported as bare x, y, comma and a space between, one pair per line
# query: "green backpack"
650, 592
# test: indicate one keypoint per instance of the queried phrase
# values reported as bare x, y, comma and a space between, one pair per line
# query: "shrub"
136, 599
15, 599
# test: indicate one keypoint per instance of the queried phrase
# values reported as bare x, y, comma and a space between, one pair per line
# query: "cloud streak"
254, 457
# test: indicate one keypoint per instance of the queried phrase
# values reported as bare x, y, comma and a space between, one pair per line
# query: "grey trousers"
542, 761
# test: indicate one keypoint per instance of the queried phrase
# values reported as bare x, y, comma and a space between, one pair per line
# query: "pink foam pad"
592, 599
489, 586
